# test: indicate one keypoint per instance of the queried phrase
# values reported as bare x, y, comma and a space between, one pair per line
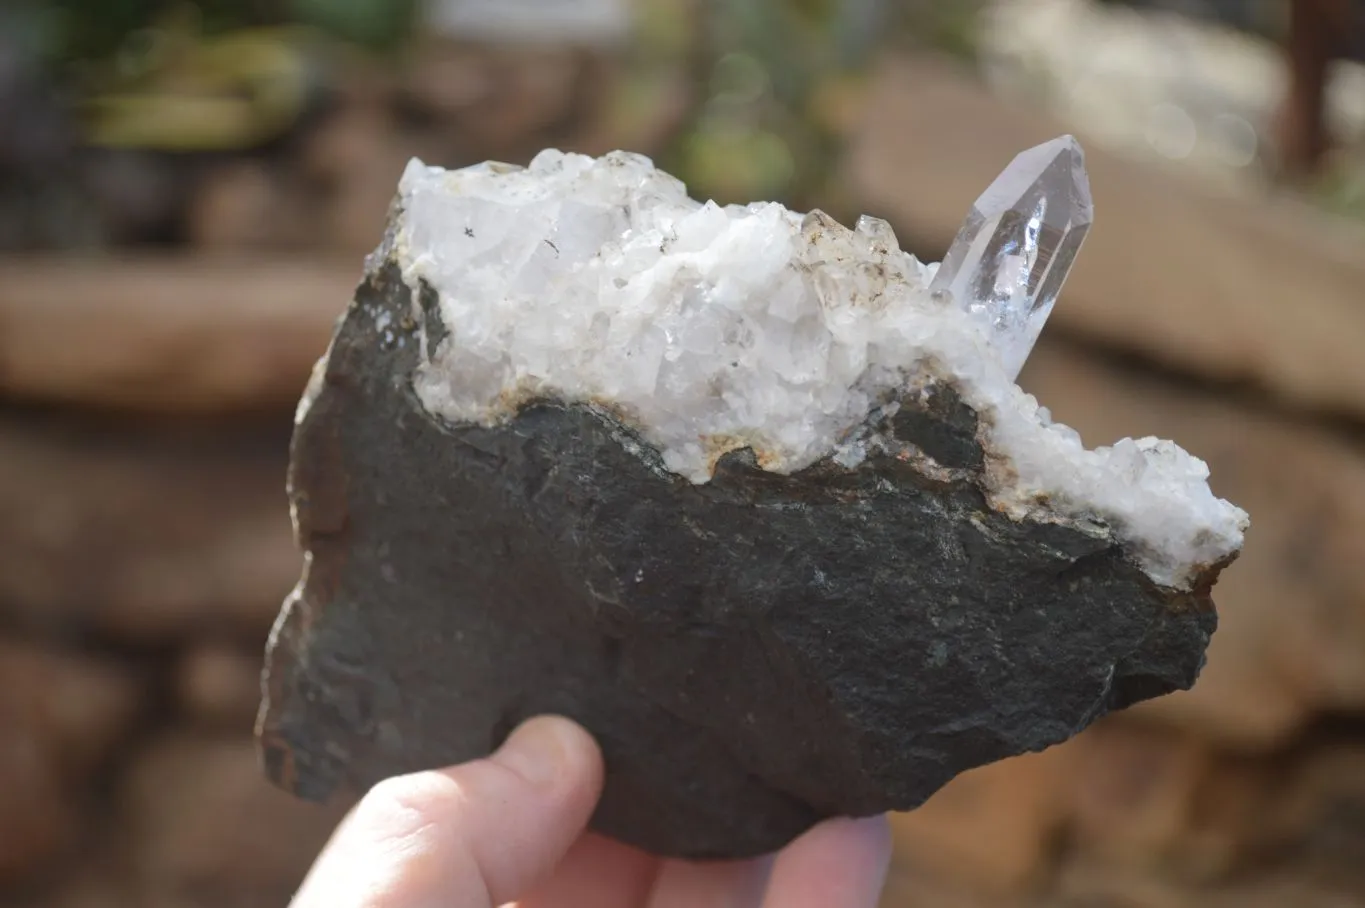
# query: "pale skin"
510, 829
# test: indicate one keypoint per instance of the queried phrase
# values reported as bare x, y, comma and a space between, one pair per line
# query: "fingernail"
539, 749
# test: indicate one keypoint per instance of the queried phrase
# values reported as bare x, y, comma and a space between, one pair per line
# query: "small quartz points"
1017, 245
731, 487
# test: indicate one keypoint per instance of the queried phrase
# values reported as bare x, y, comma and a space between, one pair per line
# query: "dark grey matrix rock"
753, 654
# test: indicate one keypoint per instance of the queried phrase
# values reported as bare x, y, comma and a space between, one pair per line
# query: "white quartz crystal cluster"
712, 328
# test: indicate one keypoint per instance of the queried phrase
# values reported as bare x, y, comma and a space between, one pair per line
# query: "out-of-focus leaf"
734, 166
226, 93
1342, 189
94, 29
380, 24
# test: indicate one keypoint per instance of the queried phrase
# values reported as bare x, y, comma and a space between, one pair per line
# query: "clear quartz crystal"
1013, 252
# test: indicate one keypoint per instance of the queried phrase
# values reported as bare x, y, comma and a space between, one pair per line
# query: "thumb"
476, 835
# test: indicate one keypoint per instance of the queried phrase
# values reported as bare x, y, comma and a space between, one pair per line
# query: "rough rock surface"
1289, 639
754, 654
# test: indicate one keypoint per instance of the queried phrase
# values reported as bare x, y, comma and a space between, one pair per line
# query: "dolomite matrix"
751, 495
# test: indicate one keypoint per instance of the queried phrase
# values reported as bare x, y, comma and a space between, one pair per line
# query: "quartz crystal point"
1012, 254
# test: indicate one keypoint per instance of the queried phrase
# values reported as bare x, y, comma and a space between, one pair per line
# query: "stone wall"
142, 559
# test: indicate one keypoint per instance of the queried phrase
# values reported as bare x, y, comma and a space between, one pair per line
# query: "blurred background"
186, 194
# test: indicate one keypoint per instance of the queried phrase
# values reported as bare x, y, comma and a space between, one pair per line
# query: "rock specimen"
750, 495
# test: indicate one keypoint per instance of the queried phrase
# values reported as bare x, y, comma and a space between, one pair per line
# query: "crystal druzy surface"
717, 328
750, 495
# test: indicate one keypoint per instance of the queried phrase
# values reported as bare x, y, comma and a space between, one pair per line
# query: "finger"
473, 836
597, 873
713, 884
838, 864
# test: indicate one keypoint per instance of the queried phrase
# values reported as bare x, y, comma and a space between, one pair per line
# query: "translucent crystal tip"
1018, 243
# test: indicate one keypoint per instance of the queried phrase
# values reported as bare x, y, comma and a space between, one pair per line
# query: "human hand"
510, 828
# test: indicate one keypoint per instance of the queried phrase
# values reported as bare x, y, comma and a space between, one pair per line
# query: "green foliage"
781, 79
94, 30
947, 27
762, 128
1342, 188
378, 24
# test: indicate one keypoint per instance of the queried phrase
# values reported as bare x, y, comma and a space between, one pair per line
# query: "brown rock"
538, 93
241, 206
507, 102
356, 209
62, 715
1321, 810
81, 706
1149, 799
993, 829
1264, 290
37, 813
913, 887
1094, 885
1292, 608
202, 827
92, 882
145, 533
220, 685
1232, 829
347, 142
650, 127
444, 81
356, 158
1090, 884
1132, 791
178, 335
